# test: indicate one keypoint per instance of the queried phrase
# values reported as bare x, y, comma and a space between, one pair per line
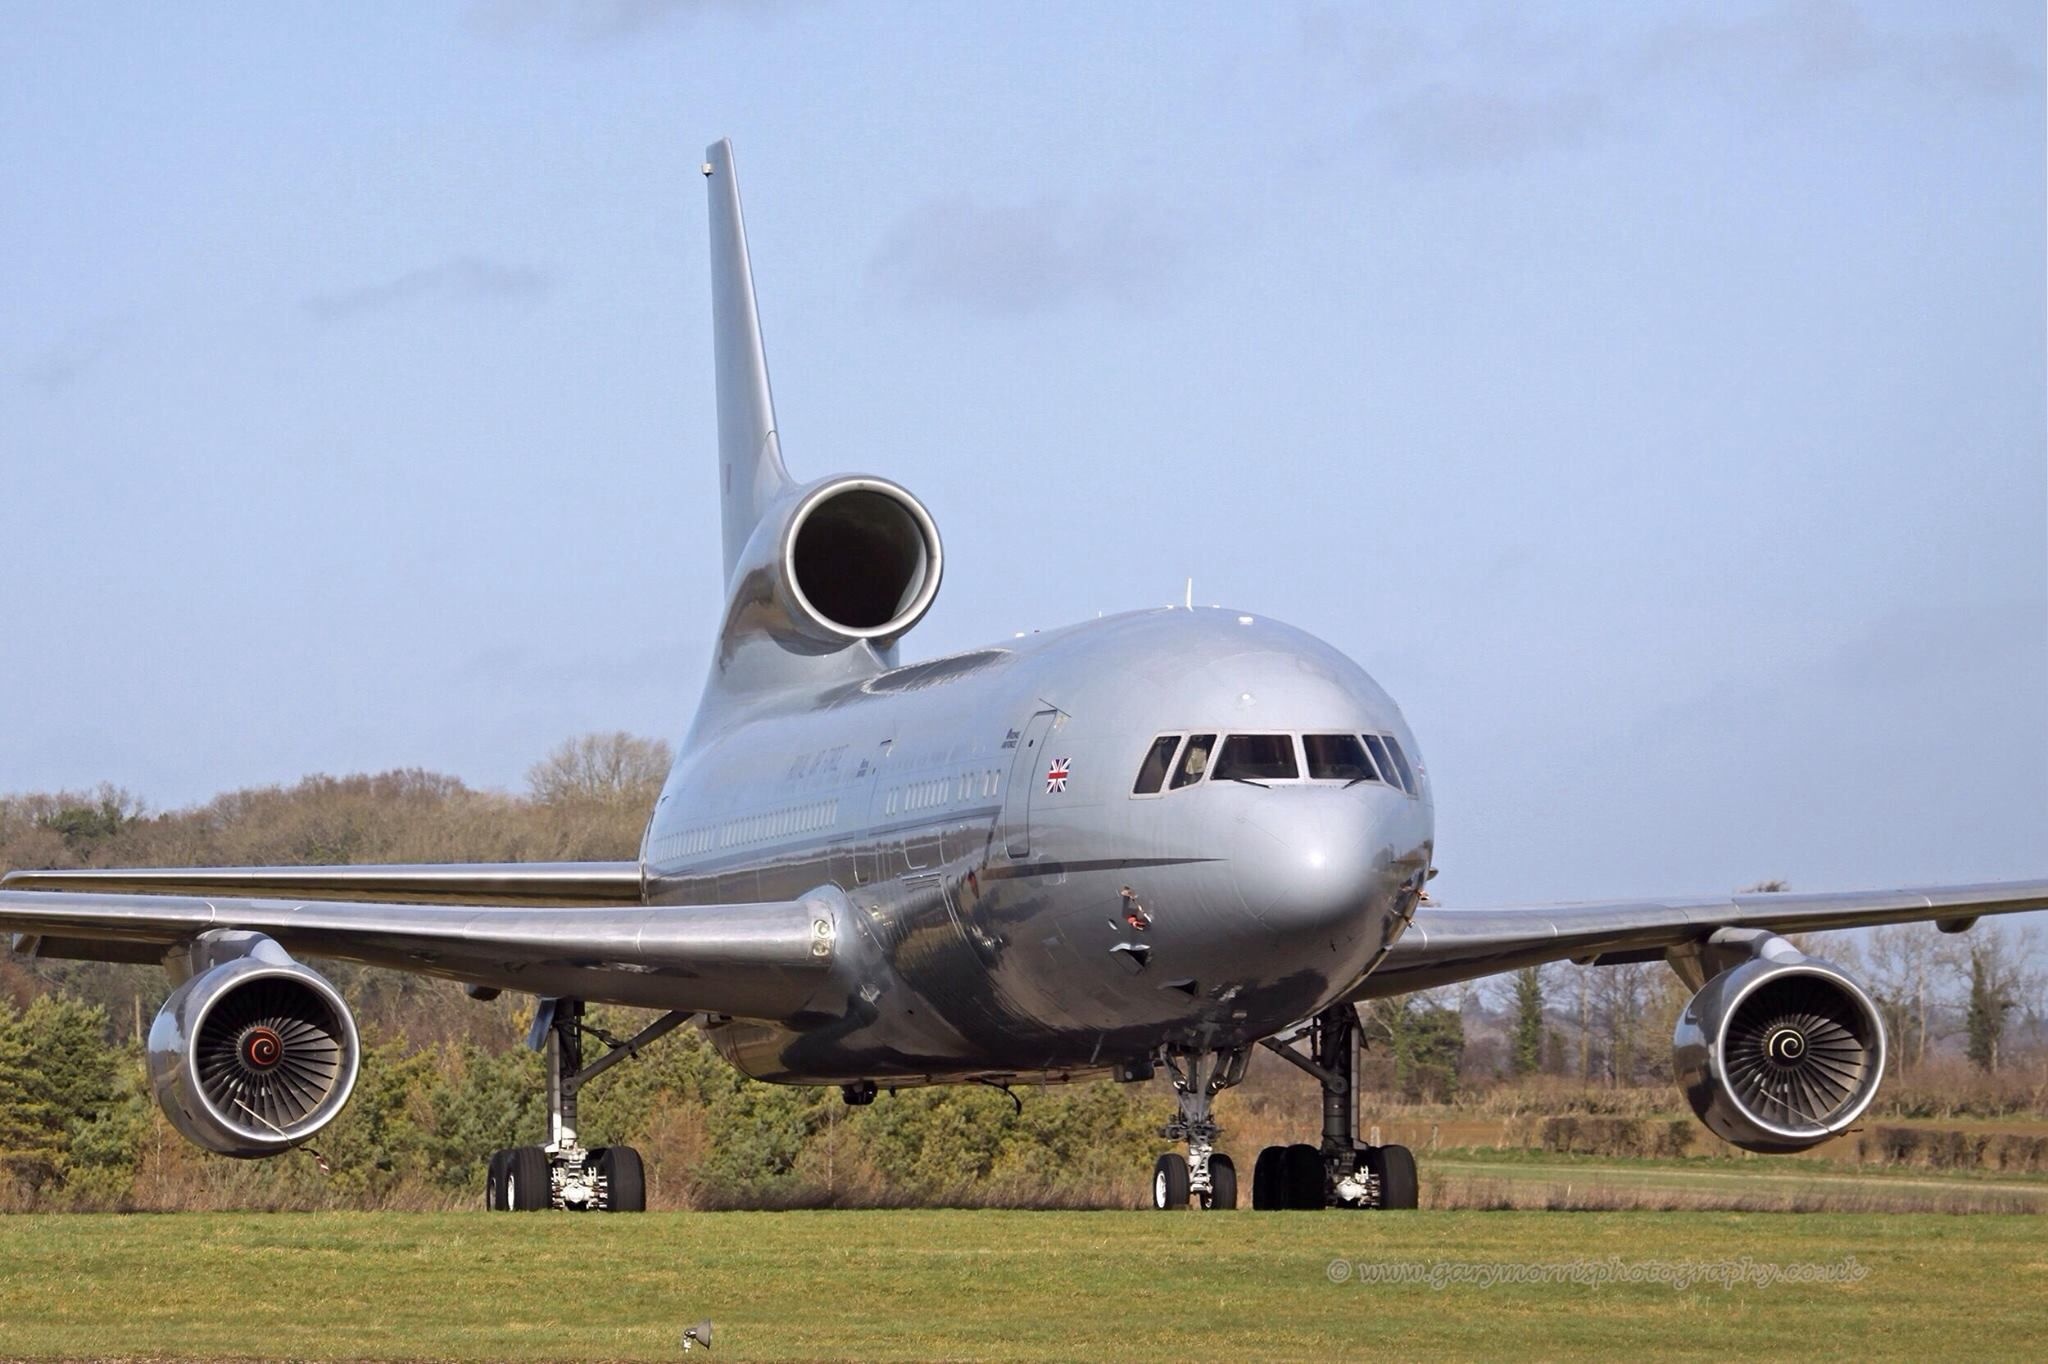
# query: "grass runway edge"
1031, 1285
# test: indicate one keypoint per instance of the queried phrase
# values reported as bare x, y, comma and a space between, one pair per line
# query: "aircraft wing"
1443, 946
767, 960
497, 883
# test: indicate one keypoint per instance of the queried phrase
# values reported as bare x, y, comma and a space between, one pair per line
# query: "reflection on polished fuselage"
1031, 913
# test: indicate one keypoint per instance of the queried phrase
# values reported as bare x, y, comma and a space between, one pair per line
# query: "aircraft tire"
625, 1179
1269, 1179
1400, 1188
1222, 1193
1170, 1182
1302, 1178
494, 1182
528, 1185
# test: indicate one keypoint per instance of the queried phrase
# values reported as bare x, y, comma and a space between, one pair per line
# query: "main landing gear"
1343, 1172
563, 1174
1203, 1175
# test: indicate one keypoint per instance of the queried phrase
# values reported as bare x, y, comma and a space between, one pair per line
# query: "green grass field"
1475, 1177
988, 1285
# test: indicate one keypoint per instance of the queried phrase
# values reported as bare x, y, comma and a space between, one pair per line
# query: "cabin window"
1158, 762
1194, 761
1257, 757
1337, 757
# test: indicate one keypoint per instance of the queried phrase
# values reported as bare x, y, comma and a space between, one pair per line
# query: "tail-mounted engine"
253, 1052
843, 560
1779, 1052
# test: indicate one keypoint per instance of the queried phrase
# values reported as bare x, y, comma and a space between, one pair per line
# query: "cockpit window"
1382, 761
1158, 760
1257, 757
1401, 762
1337, 757
1194, 761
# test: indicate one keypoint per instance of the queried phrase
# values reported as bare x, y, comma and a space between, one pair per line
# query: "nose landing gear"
1343, 1172
1203, 1176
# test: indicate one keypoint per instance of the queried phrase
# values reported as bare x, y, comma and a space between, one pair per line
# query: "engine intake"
254, 1052
862, 560
1781, 1052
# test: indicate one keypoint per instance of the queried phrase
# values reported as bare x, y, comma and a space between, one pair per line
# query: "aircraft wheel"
1170, 1182
1222, 1184
625, 1180
528, 1185
1269, 1183
494, 1182
1301, 1179
1400, 1188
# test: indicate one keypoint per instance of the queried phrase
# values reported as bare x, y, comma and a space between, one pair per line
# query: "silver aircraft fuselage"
979, 812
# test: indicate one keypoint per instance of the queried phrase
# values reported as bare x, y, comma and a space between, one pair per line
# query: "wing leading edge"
480, 883
769, 960
1444, 946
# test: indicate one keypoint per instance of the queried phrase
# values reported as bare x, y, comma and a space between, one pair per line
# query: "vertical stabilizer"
750, 472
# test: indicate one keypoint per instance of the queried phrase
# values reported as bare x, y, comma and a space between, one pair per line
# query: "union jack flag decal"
1056, 777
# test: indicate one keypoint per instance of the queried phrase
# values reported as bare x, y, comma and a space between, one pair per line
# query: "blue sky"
1652, 398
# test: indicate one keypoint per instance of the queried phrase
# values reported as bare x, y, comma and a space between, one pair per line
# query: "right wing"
770, 960
1444, 946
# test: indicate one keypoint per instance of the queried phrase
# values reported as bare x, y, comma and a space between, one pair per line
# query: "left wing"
768, 960
471, 883
1443, 946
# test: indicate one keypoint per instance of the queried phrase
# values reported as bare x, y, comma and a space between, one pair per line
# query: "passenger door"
1027, 769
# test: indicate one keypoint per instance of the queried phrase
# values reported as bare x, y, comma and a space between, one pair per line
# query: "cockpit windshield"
1266, 758
1337, 757
1194, 760
1401, 764
1381, 760
1158, 759
1257, 757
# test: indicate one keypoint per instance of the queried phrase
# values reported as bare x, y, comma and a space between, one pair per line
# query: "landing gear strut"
1204, 1175
1343, 1172
563, 1174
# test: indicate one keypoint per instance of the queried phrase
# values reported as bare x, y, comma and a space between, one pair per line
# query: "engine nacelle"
253, 1052
842, 560
1780, 1052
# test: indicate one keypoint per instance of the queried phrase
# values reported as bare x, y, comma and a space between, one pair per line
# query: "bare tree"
1909, 969
602, 769
1623, 994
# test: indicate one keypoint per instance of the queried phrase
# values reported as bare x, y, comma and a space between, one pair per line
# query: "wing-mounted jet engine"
1780, 1051
253, 1052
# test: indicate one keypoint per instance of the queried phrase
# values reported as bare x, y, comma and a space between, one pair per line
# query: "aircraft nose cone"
1307, 865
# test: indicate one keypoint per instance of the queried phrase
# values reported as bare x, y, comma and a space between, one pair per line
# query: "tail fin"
749, 455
